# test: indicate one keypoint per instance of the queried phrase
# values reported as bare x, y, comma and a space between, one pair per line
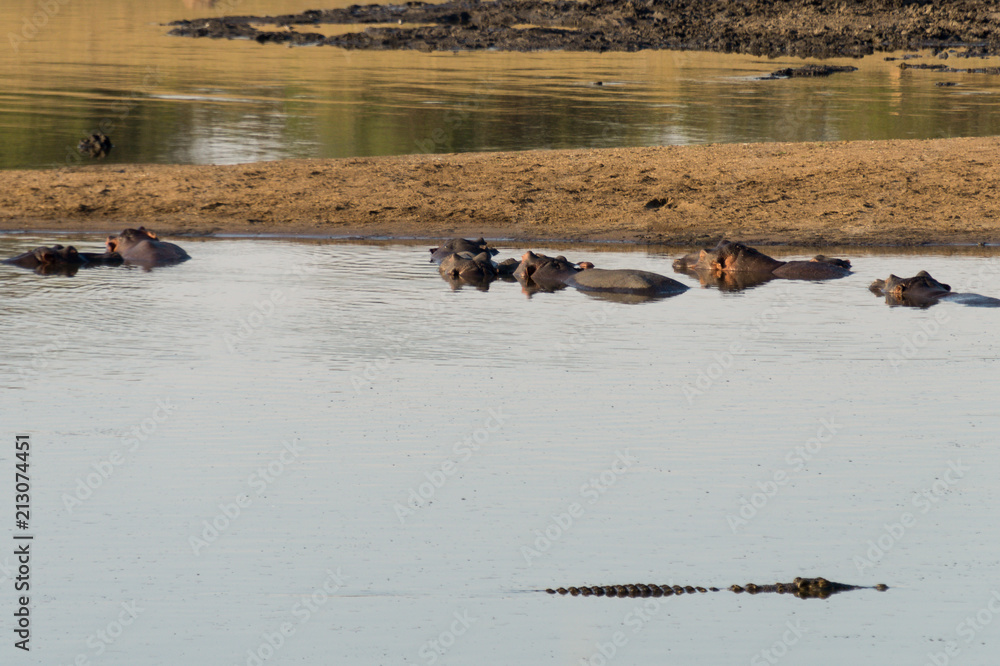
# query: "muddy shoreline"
806, 28
892, 193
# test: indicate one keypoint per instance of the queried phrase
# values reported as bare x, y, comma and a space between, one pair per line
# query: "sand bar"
893, 193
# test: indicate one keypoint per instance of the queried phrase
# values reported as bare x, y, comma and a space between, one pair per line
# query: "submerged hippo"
97, 145
467, 266
546, 273
542, 272
58, 259
923, 291
642, 285
458, 245
142, 247
738, 259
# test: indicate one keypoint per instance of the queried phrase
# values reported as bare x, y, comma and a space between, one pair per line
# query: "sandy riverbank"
861, 193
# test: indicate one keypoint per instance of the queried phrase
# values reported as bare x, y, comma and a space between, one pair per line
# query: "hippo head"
129, 238
737, 257
530, 262
921, 290
920, 285
456, 245
50, 260
57, 255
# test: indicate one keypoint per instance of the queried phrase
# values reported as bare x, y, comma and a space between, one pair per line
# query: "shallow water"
108, 64
374, 376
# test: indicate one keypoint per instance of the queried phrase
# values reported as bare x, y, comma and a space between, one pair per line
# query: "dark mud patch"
807, 28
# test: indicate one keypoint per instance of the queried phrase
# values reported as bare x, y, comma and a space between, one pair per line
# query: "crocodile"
803, 588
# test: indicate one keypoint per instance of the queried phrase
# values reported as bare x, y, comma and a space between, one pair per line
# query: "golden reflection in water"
195, 101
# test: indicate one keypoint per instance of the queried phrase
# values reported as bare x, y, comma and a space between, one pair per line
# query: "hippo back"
626, 281
811, 270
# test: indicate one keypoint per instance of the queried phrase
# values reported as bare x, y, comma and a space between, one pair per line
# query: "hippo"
468, 266
96, 145
923, 291
507, 268
546, 273
456, 245
703, 259
737, 258
142, 247
639, 285
58, 259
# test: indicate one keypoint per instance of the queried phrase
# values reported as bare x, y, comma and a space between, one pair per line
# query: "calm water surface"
109, 64
296, 394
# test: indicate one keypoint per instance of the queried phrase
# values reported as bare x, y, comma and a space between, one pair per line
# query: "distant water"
109, 64
320, 453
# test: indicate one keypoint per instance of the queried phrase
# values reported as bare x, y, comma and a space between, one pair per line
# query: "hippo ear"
57, 247
703, 255
924, 274
71, 251
482, 256
480, 242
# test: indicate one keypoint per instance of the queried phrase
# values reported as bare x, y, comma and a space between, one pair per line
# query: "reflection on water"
108, 65
297, 418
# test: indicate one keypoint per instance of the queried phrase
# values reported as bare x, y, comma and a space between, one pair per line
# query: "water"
109, 64
267, 408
